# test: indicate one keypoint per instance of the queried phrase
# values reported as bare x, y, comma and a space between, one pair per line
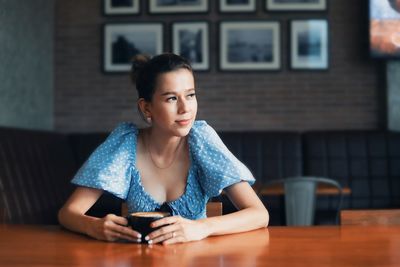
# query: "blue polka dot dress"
112, 168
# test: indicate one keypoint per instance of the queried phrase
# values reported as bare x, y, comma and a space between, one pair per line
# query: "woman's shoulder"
199, 123
123, 131
200, 127
124, 128
201, 130
109, 166
218, 167
124, 135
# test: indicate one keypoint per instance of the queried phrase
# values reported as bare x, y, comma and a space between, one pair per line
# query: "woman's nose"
183, 106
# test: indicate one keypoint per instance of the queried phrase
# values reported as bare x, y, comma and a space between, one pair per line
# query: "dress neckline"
139, 177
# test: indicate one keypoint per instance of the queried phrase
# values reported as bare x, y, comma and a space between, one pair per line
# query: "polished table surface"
274, 246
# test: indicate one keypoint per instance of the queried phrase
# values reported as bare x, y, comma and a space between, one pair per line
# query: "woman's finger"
164, 237
130, 238
117, 219
163, 231
166, 220
177, 239
129, 231
124, 230
137, 241
112, 236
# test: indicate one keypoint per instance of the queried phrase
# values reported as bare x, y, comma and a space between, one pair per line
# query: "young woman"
176, 163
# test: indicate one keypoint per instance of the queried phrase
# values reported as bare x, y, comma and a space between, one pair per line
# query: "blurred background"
64, 84
52, 77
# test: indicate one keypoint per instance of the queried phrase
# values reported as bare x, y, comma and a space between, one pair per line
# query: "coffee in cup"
140, 221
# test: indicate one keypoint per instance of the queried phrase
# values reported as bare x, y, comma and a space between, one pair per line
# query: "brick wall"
350, 95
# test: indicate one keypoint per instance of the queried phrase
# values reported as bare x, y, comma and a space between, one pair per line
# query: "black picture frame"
249, 45
309, 44
122, 41
244, 6
177, 6
384, 29
121, 7
296, 5
190, 39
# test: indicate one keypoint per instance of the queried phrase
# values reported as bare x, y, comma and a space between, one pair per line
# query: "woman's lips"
183, 122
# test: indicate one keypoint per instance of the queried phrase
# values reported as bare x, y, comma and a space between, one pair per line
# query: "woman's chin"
183, 130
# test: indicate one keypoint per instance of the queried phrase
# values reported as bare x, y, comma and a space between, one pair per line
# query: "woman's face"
174, 105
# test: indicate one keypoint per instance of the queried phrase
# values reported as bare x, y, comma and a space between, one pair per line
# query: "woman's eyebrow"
169, 93
174, 92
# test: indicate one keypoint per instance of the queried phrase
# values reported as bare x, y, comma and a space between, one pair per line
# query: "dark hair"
145, 71
395, 4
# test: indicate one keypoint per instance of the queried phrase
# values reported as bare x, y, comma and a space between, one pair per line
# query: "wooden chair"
212, 209
370, 217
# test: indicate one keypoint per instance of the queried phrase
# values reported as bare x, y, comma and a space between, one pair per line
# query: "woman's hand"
176, 229
112, 228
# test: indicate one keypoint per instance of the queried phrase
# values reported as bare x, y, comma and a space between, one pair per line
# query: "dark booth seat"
268, 155
368, 162
36, 167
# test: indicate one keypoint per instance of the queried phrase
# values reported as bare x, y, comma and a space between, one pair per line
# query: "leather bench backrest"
35, 169
269, 155
366, 161
83, 144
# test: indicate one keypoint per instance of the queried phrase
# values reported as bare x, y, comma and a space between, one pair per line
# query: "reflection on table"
275, 246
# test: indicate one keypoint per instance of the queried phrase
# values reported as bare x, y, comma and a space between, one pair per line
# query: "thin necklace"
151, 155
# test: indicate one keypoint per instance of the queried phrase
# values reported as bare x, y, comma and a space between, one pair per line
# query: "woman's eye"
172, 98
192, 95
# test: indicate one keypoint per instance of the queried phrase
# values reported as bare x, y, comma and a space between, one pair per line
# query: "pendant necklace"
152, 159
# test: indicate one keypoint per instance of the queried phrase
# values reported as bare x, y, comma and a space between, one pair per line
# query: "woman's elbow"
60, 215
264, 215
266, 218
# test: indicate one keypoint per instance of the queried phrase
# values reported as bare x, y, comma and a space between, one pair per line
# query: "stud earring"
148, 119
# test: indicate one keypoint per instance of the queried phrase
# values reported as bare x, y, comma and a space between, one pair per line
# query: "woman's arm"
251, 215
110, 228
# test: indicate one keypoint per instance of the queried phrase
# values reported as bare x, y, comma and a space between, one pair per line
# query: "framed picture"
121, 7
384, 32
178, 6
296, 5
309, 44
250, 45
237, 6
124, 40
191, 40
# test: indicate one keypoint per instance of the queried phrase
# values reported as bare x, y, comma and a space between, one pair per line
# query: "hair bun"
139, 61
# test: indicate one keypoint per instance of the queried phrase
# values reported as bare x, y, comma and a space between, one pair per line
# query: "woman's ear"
144, 109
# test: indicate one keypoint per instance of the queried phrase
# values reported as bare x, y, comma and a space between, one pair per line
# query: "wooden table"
275, 246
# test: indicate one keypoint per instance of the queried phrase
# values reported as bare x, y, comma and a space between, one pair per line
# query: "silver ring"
173, 234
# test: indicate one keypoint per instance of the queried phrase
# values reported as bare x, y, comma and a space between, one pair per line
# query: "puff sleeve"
218, 167
109, 167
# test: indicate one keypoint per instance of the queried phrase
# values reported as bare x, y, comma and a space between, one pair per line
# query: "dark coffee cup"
140, 221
